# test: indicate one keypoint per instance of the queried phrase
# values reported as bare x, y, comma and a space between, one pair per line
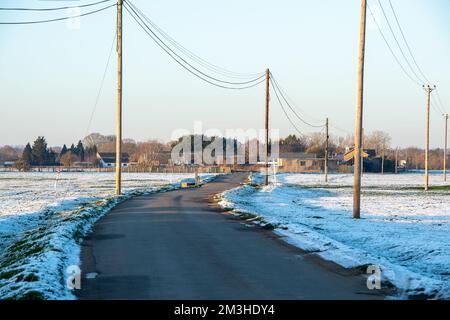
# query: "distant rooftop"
297, 155
110, 157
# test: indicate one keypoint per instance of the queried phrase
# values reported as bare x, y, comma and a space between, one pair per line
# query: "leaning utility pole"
445, 146
428, 90
327, 136
359, 113
266, 164
119, 101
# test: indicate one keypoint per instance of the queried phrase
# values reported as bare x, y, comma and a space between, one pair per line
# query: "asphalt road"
179, 245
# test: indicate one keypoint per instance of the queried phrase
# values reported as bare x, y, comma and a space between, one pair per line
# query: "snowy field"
44, 215
403, 230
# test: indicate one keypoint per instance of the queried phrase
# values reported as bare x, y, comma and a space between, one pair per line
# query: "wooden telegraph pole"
445, 146
359, 113
327, 136
362, 149
119, 101
428, 90
266, 164
396, 160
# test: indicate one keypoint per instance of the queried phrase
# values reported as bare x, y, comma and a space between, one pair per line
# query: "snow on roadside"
38, 246
404, 231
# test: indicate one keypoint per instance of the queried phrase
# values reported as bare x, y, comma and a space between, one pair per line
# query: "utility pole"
327, 136
445, 146
428, 89
119, 101
266, 164
382, 160
362, 150
396, 160
359, 113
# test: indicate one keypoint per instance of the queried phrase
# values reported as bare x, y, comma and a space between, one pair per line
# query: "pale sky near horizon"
50, 74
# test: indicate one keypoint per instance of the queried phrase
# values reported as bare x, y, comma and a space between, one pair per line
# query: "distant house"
108, 159
298, 162
371, 162
366, 154
8, 163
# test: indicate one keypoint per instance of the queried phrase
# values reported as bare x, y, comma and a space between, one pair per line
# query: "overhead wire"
291, 108
284, 110
435, 106
390, 48
398, 44
439, 99
440, 105
406, 42
192, 55
181, 58
193, 70
436, 103
55, 9
97, 99
58, 19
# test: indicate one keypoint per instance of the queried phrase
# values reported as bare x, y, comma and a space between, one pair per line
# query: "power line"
55, 9
199, 71
292, 109
174, 56
398, 44
440, 101
58, 19
390, 48
192, 55
97, 99
293, 103
284, 110
406, 42
436, 106
340, 129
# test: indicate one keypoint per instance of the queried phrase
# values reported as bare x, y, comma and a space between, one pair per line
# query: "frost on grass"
37, 247
404, 230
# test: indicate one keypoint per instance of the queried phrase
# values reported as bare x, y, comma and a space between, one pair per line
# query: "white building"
108, 159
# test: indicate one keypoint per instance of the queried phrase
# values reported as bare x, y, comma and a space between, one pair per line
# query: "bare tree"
148, 153
378, 140
68, 159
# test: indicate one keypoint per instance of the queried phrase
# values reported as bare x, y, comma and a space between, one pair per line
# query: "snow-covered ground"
43, 216
404, 230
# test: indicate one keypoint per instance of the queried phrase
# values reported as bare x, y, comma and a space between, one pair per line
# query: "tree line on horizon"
147, 152
39, 154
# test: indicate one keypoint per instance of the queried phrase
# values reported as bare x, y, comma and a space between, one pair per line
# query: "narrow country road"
179, 245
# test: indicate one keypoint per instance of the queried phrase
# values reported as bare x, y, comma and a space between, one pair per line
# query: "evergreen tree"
80, 150
63, 151
39, 151
27, 156
91, 153
51, 157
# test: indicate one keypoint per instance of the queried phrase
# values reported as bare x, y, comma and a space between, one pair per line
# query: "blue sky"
50, 74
